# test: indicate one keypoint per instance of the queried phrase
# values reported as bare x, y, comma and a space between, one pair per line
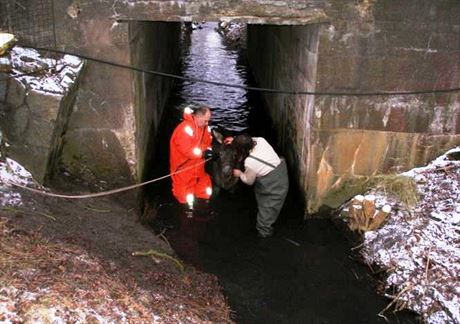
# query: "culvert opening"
211, 52
303, 273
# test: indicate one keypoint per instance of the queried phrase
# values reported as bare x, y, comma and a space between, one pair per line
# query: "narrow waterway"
306, 272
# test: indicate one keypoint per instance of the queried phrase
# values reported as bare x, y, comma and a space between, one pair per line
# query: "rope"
104, 193
223, 84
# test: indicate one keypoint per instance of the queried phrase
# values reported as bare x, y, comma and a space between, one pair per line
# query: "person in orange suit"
190, 145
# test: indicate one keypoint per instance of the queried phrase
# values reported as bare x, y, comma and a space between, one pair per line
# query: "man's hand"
209, 154
237, 173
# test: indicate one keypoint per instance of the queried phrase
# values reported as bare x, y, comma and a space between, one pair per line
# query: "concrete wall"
154, 46
367, 46
106, 140
99, 146
285, 57
385, 46
278, 12
116, 110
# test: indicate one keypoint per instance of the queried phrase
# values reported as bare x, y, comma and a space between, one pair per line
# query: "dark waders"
270, 190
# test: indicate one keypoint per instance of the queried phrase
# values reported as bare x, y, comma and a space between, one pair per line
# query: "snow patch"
60, 73
11, 171
420, 248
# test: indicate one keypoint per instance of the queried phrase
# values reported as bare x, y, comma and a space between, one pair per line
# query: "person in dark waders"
265, 169
190, 145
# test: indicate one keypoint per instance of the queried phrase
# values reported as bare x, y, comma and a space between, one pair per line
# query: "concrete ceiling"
291, 12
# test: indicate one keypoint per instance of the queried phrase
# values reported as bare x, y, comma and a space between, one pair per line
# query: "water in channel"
206, 58
305, 273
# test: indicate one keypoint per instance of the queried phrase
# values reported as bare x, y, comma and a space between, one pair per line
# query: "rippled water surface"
207, 58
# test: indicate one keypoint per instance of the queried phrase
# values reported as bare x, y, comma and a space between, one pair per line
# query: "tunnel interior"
266, 56
203, 53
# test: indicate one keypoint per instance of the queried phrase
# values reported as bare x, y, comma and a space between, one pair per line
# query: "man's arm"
248, 176
184, 142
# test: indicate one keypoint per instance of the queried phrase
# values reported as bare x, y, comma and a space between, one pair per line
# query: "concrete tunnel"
156, 46
334, 143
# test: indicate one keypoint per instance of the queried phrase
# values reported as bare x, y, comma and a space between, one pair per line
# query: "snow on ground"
57, 305
10, 296
39, 312
420, 248
11, 171
63, 71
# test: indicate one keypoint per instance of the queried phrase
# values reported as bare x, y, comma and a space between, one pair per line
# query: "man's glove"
209, 154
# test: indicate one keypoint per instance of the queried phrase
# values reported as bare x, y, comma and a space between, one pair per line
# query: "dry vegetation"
42, 281
93, 262
362, 213
416, 248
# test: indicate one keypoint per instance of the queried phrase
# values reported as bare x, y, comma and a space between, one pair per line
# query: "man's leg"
271, 192
267, 211
203, 187
183, 185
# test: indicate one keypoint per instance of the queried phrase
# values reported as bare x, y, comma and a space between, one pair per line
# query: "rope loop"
104, 193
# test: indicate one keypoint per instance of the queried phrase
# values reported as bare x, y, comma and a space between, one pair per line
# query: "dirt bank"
72, 260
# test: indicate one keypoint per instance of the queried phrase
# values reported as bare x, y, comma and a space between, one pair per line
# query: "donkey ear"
218, 136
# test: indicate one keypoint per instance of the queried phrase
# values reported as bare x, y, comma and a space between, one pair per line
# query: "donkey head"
221, 169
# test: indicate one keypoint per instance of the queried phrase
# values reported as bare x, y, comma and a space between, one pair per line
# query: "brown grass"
65, 277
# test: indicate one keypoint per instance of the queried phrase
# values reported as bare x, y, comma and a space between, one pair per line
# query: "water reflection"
208, 58
185, 232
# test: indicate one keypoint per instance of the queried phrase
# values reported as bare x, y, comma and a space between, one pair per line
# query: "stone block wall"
275, 12
99, 145
376, 47
358, 46
35, 108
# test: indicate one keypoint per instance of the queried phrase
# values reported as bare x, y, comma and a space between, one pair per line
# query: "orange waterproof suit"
187, 146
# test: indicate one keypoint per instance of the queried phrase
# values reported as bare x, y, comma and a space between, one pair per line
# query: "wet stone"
453, 156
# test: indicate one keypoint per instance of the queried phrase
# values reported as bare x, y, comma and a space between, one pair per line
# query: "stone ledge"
36, 107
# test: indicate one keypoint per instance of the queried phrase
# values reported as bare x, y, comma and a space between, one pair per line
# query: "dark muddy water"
306, 272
